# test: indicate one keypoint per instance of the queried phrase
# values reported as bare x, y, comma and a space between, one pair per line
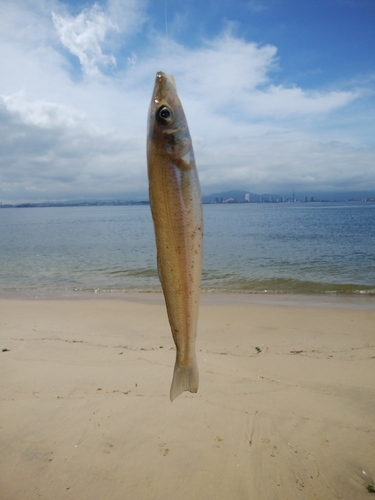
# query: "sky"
279, 94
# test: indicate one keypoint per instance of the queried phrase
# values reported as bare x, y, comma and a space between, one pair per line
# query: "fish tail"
185, 378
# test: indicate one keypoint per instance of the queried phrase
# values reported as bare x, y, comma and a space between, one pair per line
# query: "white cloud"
40, 114
64, 137
256, 6
278, 166
51, 150
82, 36
234, 77
96, 27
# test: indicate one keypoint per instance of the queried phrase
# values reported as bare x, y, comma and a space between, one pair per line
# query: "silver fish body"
176, 206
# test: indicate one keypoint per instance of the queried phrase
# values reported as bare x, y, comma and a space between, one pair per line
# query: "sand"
285, 408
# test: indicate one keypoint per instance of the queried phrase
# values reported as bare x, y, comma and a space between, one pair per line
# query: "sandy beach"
285, 408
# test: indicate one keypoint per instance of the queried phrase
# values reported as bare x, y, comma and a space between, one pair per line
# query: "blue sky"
279, 94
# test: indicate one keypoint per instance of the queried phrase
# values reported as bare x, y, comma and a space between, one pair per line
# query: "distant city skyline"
225, 197
243, 196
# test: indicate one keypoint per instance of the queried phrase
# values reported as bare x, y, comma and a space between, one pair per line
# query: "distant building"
247, 198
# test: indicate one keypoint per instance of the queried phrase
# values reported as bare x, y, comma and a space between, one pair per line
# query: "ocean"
275, 248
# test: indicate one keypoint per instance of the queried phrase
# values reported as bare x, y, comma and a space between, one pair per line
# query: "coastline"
284, 409
318, 300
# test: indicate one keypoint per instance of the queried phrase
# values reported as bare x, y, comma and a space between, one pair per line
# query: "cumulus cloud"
51, 150
233, 76
82, 36
277, 166
86, 34
67, 137
41, 114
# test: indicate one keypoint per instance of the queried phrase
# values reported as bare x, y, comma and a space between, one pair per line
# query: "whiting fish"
176, 206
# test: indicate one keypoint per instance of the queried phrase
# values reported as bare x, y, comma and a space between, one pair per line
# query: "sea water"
304, 248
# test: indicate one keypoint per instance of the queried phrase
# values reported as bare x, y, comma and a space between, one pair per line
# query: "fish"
176, 207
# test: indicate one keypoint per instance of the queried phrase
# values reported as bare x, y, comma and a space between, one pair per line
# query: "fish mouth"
170, 78
164, 90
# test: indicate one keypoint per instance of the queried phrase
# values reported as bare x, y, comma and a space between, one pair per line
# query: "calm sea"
265, 248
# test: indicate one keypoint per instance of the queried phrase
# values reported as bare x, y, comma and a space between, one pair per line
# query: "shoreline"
341, 301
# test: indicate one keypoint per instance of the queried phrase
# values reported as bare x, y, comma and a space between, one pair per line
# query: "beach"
285, 407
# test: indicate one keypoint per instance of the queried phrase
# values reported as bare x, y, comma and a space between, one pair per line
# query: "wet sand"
285, 408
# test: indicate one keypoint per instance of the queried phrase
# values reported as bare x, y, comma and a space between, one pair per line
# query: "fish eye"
164, 115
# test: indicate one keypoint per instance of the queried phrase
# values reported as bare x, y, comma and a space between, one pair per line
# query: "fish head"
167, 125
